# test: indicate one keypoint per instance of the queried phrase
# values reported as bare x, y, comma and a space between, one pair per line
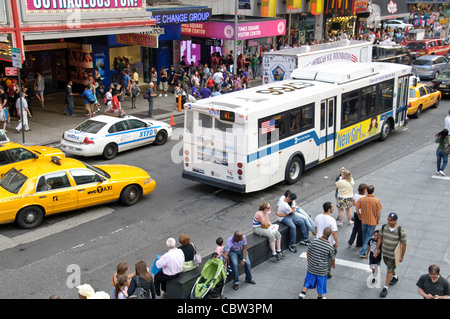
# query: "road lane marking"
346, 263
440, 177
42, 232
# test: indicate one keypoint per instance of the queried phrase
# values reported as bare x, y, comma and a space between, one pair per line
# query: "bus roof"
316, 79
318, 48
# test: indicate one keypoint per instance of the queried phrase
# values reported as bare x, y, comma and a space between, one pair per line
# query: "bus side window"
386, 94
350, 108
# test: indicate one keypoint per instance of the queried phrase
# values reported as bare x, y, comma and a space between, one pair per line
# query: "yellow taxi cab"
28, 192
421, 97
12, 154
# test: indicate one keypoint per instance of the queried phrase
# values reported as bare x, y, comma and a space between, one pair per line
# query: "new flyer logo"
392, 7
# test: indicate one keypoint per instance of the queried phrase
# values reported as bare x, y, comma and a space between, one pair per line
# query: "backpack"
399, 230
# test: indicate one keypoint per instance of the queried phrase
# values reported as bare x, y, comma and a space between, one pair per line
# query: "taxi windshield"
90, 126
13, 180
97, 170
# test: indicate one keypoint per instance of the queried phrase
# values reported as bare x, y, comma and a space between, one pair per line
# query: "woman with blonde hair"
263, 227
345, 196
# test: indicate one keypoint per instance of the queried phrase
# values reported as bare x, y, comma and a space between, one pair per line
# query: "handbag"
139, 292
447, 149
197, 258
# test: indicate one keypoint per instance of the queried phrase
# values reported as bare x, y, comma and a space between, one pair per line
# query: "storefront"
64, 40
342, 18
253, 35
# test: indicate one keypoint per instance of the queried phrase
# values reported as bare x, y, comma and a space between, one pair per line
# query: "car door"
122, 134
143, 132
92, 189
55, 192
431, 94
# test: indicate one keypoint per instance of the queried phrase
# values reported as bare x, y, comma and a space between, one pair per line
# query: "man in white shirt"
323, 221
171, 265
285, 212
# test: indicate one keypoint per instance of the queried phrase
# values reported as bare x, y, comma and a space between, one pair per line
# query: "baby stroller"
211, 281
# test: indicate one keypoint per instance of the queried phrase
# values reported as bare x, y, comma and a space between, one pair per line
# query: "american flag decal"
354, 58
268, 126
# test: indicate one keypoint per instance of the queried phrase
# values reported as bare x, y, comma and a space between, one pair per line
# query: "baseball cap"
394, 216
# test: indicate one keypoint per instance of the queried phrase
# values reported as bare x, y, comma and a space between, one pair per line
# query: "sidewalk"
408, 187
49, 123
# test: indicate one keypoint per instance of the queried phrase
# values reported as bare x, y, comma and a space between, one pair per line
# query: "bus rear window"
205, 120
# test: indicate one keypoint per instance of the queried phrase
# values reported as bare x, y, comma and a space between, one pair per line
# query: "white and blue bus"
248, 140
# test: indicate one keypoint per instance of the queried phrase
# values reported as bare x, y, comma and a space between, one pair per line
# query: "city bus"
248, 140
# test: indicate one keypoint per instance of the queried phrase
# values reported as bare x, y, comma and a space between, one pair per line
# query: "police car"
106, 135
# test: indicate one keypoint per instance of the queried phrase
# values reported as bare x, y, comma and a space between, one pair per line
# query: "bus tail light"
186, 158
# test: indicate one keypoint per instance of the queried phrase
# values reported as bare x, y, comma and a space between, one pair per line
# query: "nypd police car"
106, 135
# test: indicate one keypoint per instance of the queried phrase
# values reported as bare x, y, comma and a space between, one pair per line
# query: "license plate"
442, 85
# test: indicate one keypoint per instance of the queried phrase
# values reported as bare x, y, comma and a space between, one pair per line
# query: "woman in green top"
442, 157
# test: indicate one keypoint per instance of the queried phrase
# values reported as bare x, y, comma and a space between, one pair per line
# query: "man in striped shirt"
393, 239
369, 211
320, 252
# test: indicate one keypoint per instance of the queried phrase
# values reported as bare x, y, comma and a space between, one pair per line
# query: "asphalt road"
85, 246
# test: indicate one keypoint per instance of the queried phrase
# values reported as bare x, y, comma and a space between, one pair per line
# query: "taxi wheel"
30, 217
161, 138
418, 112
130, 195
110, 151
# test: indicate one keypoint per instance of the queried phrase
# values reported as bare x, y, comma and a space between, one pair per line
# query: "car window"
137, 123
412, 93
4, 160
52, 181
90, 126
119, 127
438, 60
20, 154
439, 43
416, 46
13, 180
422, 62
84, 176
422, 91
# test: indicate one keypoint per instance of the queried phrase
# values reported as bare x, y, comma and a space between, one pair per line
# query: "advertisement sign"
224, 30
166, 17
37, 6
358, 132
143, 40
11, 71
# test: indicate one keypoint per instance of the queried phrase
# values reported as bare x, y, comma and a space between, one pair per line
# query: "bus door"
327, 128
401, 108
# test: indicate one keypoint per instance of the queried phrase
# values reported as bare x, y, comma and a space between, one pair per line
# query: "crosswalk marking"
440, 177
346, 263
42, 232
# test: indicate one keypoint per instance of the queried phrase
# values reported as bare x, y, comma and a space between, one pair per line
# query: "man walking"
369, 210
393, 239
319, 254
323, 221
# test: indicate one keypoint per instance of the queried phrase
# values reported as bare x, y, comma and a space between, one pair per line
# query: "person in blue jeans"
285, 212
441, 157
235, 249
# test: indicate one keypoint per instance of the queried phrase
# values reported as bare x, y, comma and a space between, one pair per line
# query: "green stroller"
211, 281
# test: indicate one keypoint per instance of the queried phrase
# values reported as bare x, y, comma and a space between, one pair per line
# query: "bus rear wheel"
294, 170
